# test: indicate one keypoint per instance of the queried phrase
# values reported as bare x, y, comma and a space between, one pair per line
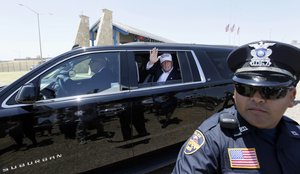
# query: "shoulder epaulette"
209, 123
287, 119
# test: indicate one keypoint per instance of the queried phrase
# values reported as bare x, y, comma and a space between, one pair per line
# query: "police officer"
252, 136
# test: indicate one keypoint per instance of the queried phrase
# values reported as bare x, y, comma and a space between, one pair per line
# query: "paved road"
294, 112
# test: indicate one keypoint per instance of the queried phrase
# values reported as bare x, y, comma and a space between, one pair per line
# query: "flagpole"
227, 30
232, 31
238, 35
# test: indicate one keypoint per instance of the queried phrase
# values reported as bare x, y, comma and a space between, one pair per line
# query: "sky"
188, 21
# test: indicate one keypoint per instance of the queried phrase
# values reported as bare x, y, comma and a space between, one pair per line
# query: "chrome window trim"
200, 70
165, 86
82, 96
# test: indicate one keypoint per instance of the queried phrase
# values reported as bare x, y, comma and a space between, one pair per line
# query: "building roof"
125, 29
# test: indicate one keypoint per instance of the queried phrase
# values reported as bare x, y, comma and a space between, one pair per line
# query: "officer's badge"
194, 143
260, 54
243, 158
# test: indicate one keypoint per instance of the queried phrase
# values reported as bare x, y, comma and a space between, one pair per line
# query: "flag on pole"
238, 31
232, 28
227, 28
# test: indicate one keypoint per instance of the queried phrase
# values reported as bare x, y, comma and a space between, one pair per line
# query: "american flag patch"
243, 158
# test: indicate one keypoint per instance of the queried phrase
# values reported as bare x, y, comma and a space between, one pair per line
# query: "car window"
86, 74
151, 77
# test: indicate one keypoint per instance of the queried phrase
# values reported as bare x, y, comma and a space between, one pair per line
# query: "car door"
219, 78
71, 125
165, 109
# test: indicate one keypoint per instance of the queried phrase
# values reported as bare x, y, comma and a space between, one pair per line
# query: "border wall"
18, 65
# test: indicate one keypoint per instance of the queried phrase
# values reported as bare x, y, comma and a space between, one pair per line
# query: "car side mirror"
27, 94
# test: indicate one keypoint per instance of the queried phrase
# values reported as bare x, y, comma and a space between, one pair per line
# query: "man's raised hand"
153, 55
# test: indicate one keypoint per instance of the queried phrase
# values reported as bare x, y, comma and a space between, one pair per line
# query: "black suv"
55, 120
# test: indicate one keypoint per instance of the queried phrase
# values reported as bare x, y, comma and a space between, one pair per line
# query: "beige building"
108, 32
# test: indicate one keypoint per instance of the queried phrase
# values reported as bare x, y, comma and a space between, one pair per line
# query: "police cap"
265, 63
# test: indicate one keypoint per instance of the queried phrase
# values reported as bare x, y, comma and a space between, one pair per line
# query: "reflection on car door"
80, 131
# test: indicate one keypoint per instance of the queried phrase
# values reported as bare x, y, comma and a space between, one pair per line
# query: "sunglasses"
270, 93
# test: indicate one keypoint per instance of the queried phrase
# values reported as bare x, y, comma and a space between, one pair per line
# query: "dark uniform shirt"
244, 149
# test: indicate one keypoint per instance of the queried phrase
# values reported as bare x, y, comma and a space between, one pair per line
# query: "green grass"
8, 77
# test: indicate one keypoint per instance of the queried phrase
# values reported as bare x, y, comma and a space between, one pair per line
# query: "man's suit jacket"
98, 82
157, 71
101, 80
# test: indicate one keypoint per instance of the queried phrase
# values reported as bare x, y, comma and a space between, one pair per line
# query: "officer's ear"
292, 95
234, 93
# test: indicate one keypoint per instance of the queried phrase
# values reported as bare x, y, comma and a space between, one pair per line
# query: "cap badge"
260, 54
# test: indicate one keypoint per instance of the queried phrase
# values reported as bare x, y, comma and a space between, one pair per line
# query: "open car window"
151, 77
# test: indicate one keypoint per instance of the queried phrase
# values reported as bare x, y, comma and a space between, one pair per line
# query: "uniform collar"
286, 124
243, 126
